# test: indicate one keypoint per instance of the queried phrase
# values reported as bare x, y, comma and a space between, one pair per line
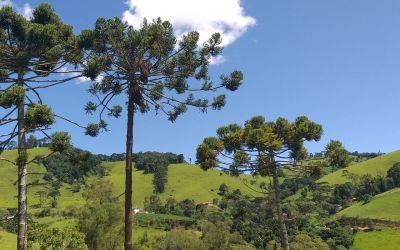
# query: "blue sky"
336, 62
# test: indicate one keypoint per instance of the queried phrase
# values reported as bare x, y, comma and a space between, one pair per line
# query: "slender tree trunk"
128, 172
278, 204
22, 173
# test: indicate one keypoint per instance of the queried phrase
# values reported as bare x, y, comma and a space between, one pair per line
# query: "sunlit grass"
376, 166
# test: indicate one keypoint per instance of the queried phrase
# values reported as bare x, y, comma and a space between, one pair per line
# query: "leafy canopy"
152, 66
258, 145
32, 52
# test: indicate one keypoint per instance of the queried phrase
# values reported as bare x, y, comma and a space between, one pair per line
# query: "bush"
44, 213
55, 238
343, 193
394, 174
163, 221
179, 239
101, 219
366, 198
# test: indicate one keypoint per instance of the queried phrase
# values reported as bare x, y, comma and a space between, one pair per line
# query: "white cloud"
205, 16
4, 3
218, 60
66, 72
26, 11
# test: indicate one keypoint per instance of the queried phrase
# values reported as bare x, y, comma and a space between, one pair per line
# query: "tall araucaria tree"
32, 52
260, 147
155, 72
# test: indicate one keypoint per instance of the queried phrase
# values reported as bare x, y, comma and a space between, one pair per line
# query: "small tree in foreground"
100, 220
260, 147
153, 70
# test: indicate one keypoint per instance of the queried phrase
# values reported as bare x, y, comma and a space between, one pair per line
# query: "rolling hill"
384, 239
184, 181
376, 166
384, 206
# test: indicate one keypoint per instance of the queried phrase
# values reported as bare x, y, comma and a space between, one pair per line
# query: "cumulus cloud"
206, 16
26, 10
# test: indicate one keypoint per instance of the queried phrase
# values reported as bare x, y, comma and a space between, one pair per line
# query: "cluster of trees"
263, 147
143, 160
365, 155
155, 163
186, 207
148, 161
71, 167
365, 186
260, 147
215, 235
352, 156
256, 221
31, 142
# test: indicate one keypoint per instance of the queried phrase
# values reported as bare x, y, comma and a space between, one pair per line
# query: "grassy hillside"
7, 241
8, 185
385, 206
376, 166
386, 239
184, 181
8, 176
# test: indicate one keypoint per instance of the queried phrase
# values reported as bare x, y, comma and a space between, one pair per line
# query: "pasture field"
376, 166
384, 206
386, 239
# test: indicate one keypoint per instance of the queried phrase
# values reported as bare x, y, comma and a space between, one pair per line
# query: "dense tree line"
365, 186
145, 160
366, 155
74, 166
150, 162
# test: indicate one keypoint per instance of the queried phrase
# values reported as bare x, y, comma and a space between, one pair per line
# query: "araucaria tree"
31, 53
155, 72
260, 147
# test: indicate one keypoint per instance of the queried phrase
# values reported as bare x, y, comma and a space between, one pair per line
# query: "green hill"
384, 206
376, 166
8, 185
8, 241
184, 181
384, 239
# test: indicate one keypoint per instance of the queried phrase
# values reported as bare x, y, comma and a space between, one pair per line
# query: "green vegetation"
184, 180
261, 147
7, 240
384, 239
376, 166
384, 206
